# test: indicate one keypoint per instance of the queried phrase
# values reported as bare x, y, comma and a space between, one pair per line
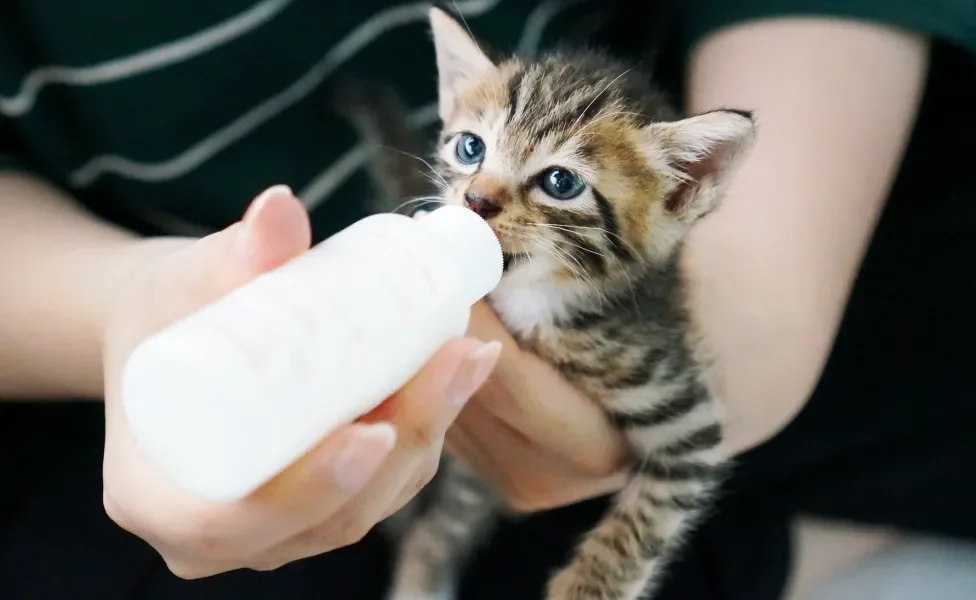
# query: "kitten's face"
549, 155
575, 162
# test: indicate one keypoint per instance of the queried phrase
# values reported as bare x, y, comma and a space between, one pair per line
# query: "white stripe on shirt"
141, 62
205, 149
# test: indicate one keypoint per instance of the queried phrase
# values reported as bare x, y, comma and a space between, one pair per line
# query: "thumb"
274, 230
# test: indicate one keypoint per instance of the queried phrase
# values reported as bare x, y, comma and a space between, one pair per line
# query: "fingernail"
258, 204
245, 233
363, 455
473, 372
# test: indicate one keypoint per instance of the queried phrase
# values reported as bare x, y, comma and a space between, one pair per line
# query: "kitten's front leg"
624, 556
679, 462
440, 541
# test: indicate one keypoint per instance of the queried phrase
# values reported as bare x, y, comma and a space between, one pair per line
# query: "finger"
530, 478
424, 473
531, 397
210, 533
274, 229
324, 481
358, 516
421, 413
426, 406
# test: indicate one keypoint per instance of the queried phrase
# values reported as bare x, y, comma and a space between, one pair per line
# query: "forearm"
835, 103
59, 266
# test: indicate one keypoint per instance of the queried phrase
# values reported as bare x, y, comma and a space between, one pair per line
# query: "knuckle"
416, 434
115, 512
339, 534
596, 468
602, 464
351, 534
187, 571
525, 500
428, 472
200, 536
268, 566
522, 504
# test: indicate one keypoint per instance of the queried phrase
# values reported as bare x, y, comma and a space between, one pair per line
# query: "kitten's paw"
420, 213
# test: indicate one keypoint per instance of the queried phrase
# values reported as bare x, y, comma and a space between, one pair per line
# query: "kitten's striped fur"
595, 286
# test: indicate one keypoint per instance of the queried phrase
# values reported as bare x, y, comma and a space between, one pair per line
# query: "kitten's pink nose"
485, 207
486, 196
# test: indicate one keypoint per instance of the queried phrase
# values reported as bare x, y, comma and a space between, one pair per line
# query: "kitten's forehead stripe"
565, 93
514, 90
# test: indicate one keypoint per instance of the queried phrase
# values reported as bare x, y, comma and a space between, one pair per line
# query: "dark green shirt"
160, 114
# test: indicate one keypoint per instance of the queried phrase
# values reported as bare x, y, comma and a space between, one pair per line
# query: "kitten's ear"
701, 153
459, 57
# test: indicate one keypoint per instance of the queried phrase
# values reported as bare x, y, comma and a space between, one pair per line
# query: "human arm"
835, 103
59, 268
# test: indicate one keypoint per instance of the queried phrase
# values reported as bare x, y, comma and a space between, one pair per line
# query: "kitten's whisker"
475, 40
415, 157
561, 255
609, 115
603, 91
583, 129
622, 272
583, 275
560, 258
433, 199
433, 181
464, 21
525, 251
583, 248
601, 230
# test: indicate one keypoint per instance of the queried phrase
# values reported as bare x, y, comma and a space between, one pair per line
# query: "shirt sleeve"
952, 21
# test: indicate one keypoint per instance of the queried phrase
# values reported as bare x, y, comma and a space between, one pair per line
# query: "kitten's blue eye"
470, 149
561, 184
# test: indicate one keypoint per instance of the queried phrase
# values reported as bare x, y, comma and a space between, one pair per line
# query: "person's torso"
161, 113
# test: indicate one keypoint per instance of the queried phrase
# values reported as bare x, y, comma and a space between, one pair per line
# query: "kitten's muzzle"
484, 206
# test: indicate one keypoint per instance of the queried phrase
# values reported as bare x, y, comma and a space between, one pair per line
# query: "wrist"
61, 272
121, 266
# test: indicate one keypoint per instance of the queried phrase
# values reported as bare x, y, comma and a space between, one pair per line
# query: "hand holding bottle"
355, 477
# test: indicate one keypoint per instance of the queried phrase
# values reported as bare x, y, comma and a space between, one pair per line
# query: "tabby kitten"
591, 183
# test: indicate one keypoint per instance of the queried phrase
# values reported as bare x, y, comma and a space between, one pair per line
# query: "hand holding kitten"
535, 438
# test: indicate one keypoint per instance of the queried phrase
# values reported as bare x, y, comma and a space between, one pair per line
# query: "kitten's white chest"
529, 309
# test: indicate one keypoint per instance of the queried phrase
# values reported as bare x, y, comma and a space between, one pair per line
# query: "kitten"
591, 183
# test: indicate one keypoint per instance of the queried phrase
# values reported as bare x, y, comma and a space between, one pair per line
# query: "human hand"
330, 498
531, 435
